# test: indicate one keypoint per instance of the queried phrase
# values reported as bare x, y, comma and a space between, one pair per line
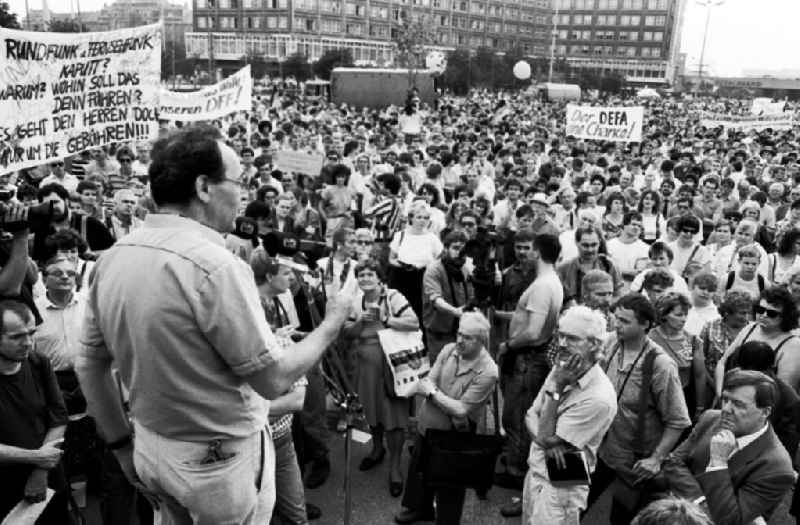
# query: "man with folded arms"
733, 463
571, 414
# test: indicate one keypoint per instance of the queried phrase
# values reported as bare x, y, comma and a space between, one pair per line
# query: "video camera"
279, 243
37, 217
483, 251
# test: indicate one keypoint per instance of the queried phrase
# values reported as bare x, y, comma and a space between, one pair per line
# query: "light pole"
553, 42
708, 4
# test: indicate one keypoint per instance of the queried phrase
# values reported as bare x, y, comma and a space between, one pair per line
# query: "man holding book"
567, 422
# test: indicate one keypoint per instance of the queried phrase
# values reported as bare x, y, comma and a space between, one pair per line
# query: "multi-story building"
275, 29
639, 39
126, 13
36, 20
130, 13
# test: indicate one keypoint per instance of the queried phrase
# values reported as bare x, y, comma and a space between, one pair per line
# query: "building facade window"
329, 6
651, 20
228, 22
658, 5
354, 29
331, 26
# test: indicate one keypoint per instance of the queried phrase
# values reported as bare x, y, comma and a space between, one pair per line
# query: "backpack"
732, 277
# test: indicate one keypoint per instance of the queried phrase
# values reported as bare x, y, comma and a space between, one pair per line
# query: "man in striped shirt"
386, 213
121, 178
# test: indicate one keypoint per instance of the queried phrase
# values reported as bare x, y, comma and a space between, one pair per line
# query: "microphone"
35, 217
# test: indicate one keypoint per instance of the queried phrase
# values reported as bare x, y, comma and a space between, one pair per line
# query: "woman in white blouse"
411, 251
785, 259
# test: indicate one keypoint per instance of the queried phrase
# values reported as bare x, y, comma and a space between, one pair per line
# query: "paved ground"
372, 504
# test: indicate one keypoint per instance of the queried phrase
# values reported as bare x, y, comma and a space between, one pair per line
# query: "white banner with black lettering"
618, 124
62, 93
232, 94
780, 121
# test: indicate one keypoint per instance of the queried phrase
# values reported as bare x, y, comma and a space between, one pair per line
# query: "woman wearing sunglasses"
776, 317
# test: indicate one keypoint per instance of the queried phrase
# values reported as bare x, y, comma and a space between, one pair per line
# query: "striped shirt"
282, 425
386, 219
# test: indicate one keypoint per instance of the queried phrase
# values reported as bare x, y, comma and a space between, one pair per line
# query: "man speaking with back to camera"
180, 317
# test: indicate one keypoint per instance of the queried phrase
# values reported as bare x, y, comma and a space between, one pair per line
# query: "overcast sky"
743, 34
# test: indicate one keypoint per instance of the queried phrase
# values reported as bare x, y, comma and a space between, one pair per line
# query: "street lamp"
553, 42
708, 4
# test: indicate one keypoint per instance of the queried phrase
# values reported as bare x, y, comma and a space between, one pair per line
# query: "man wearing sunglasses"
101, 164
58, 175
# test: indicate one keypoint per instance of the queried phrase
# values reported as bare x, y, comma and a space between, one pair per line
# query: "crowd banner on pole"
299, 162
232, 94
765, 106
62, 93
618, 124
749, 122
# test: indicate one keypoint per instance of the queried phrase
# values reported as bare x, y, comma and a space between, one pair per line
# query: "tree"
456, 76
174, 57
296, 65
7, 18
68, 26
332, 58
483, 66
411, 36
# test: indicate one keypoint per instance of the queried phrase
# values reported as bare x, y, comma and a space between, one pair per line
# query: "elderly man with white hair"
456, 392
567, 423
123, 220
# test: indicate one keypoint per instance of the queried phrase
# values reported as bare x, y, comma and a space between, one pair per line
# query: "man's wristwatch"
555, 395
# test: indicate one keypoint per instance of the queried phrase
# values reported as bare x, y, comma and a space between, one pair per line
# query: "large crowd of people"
634, 305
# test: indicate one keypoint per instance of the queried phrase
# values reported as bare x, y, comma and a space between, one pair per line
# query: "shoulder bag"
405, 357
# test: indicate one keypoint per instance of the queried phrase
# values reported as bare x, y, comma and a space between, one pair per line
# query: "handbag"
453, 459
406, 359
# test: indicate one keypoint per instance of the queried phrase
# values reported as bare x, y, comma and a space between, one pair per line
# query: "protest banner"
232, 94
748, 122
765, 106
617, 124
62, 93
299, 162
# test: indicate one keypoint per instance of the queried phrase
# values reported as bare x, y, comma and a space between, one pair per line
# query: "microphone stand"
343, 392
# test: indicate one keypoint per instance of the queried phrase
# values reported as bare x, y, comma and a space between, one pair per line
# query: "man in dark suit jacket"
733, 462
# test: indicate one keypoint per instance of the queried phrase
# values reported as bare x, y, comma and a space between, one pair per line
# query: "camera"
287, 244
38, 216
6, 195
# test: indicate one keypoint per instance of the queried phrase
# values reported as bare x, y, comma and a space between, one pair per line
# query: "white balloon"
522, 70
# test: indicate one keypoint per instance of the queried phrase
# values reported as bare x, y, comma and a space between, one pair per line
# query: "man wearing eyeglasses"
568, 419
62, 310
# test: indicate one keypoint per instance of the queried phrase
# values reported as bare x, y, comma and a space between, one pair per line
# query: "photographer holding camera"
446, 291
